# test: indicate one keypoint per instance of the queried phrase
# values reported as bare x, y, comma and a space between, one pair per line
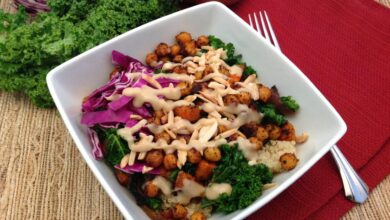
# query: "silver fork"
354, 187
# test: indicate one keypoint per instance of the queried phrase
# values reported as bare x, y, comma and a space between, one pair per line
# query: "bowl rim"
243, 212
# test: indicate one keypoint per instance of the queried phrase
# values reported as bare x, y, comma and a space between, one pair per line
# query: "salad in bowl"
193, 131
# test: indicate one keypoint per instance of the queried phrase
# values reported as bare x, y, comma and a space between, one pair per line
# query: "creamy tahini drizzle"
204, 132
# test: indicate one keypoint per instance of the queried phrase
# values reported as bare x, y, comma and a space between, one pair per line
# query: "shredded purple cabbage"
97, 149
33, 6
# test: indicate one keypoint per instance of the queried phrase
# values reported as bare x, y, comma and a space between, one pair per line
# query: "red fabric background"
343, 46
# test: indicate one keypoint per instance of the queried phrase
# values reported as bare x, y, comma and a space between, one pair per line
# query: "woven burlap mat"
43, 176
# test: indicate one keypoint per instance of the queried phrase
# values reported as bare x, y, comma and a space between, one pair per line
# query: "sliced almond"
146, 169
207, 132
269, 186
132, 157
124, 161
152, 81
181, 157
135, 116
226, 134
141, 155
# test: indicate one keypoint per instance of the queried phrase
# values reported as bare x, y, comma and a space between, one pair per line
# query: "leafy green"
138, 180
114, 146
248, 71
29, 50
247, 181
189, 168
229, 48
270, 114
173, 175
231, 59
290, 103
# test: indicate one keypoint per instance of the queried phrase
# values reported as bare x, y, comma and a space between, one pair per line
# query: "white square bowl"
78, 77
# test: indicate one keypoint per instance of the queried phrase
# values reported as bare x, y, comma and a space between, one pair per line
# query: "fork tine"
271, 30
250, 21
266, 36
257, 24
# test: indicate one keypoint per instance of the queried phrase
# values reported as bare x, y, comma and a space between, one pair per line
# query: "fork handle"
355, 188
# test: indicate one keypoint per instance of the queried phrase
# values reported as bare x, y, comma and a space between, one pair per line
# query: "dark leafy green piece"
290, 103
30, 50
232, 58
271, 115
246, 181
115, 148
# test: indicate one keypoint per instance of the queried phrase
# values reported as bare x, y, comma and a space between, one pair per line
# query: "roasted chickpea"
244, 98
257, 142
264, 92
204, 170
179, 211
261, 133
207, 70
221, 129
183, 37
287, 132
151, 59
163, 135
175, 50
151, 190
177, 58
154, 158
185, 88
288, 161
198, 75
122, 177
202, 40
189, 48
162, 50
233, 79
165, 59
198, 216
170, 161
181, 176
179, 70
273, 131
224, 70
191, 113
249, 129
230, 99
157, 117
212, 154
194, 156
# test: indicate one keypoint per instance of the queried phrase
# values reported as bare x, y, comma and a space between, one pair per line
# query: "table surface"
43, 176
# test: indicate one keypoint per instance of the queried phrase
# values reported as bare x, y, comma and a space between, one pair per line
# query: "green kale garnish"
247, 71
189, 168
290, 103
229, 48
29, 50
270, 114
173, 175
246, 181
115, 148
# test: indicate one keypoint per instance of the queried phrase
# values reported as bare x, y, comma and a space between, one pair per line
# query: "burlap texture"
43, 176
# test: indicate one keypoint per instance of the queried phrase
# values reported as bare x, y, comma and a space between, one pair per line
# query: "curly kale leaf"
246, 181
115, 148
270, 114
30, 50
290, 103
232, 58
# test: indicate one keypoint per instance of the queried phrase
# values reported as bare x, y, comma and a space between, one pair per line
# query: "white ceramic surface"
78, 77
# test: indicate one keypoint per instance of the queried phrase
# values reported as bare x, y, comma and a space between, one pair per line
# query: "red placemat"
343, 46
